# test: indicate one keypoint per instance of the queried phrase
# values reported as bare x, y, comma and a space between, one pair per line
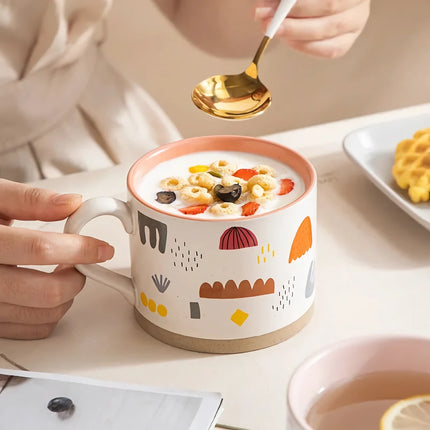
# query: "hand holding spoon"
240, 96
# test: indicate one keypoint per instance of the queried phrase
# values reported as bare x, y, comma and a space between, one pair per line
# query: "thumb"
24, 202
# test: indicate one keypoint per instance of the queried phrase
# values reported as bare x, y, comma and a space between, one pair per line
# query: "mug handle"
89, 210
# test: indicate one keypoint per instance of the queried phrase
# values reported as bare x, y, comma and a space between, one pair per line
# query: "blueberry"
60, 404
228, 194
166, 197
217, 187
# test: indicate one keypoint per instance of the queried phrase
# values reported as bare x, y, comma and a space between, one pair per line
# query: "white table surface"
373, 277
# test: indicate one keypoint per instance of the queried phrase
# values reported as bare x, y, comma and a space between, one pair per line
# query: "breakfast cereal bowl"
222, 242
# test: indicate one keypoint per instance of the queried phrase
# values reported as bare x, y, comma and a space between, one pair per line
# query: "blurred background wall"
388, 68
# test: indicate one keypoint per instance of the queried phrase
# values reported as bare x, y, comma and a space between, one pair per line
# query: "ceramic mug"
347, 360
191, 286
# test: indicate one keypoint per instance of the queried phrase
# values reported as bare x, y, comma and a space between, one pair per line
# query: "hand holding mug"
31, 301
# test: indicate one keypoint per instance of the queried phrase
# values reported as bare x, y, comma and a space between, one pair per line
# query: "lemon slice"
408, 414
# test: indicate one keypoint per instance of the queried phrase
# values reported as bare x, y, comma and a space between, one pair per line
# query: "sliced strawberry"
250, 208
245, 174
193, 210
287, 185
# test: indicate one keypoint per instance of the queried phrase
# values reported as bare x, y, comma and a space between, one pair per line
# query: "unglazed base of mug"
226, 346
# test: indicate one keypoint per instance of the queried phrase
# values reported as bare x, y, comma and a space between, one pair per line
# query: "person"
64, 109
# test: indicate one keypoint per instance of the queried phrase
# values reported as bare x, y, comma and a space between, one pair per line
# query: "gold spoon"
240, 96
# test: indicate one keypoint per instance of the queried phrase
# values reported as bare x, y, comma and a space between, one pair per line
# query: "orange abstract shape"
261, 288
246, 289
302, 241
218, 287
205, 290
232, 291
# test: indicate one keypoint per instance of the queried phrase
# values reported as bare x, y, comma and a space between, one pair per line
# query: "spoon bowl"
232, 96
240, 96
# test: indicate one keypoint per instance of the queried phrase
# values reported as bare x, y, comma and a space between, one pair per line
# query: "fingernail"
105, 252
263, 12
65, 199
61, 267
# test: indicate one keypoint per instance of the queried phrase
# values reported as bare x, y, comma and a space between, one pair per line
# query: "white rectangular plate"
102, 405
372, 148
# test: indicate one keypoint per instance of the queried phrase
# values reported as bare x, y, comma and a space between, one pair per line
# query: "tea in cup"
352, 384
222, 240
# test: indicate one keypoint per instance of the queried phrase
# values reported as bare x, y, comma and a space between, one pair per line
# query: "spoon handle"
281, 12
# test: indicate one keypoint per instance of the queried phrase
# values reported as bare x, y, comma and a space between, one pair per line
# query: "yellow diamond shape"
239, 317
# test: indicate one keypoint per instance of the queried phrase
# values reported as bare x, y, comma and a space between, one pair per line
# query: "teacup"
350, 384
212, 283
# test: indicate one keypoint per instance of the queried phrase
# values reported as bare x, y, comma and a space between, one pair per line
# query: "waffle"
411, 168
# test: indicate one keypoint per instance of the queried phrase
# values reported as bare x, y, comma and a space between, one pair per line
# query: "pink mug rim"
331, 348
180, 146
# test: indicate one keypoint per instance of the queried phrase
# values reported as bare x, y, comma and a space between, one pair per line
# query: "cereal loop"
173, 183
196, 194
202, 179
224, 208
257, 191
267, 196
223, 167
262, 169
265, 181
229, 180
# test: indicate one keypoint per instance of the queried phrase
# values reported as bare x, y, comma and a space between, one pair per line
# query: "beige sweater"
63, 107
